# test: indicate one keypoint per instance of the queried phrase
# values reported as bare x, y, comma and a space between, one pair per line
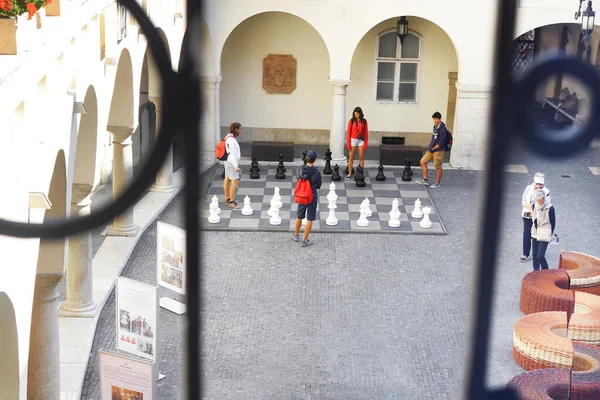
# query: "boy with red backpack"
307, 174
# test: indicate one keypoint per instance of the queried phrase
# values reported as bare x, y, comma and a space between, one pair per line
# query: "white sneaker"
424, 183
436, 185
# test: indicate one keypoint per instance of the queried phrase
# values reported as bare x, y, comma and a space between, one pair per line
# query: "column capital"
210, 78
120, 133
473, 91
46, 286
81, 194
339, 82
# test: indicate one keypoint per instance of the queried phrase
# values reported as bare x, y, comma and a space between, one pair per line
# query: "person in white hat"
527, 201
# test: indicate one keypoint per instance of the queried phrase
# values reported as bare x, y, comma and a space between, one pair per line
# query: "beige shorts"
437, 157
230, 171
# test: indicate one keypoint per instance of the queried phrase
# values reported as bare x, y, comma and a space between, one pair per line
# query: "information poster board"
170, 257
137, 317
125, 378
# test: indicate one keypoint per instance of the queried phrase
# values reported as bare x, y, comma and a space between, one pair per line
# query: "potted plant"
17, 23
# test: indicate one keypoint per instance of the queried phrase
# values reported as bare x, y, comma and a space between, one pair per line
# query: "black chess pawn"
380, 176
336, 174
280, 166
280, 174
327, 170
304, 153
360, 177
254, 164
254, 173
407, 173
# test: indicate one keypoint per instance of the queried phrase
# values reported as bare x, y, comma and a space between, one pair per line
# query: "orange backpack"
221, 150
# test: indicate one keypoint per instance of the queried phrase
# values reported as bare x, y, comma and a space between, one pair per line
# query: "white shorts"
230, 171
356, 142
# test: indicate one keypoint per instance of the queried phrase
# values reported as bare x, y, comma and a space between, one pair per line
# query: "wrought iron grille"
122, 22
524, 49
510, 112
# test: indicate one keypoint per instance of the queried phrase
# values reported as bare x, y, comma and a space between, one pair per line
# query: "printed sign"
170, 257
125, 378
137, 317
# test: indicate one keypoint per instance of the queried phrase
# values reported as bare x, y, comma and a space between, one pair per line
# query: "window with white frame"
397, 70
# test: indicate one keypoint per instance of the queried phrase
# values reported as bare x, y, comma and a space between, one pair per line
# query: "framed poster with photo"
170, 257
137, 317
125, 378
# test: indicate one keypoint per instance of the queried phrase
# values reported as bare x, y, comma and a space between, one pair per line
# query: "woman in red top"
357, 136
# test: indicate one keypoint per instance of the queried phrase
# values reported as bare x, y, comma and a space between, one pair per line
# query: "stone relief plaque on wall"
279, 74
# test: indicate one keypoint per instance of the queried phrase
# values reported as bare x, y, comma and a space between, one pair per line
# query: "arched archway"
84, 172
286, 99
400, 84
9, 349
122, 113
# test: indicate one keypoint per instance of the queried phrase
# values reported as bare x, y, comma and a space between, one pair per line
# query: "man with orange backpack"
307, 206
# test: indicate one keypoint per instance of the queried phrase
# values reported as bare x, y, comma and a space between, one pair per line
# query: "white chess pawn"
213, 216
247, 209
368, 207
426, 222
215, 200
417, 211
275, 220
362, 220
394, 221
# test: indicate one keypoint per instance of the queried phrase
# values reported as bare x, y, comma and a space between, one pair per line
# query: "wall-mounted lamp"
402, 28
79, 108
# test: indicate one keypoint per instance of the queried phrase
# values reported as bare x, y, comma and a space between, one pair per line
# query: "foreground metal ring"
170, 84
551, 142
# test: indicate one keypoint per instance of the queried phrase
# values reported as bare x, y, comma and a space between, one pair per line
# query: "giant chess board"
380, 194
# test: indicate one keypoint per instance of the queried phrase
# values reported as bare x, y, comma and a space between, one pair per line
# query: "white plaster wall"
243, 98
35, 122
437, 59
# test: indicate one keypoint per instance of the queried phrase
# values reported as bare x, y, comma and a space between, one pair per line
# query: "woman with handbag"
357, 137
542, 230
527, 201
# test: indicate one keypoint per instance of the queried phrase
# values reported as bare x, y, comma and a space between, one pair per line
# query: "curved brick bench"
583, 271
542, 384
585, 378
584, 324
547, 290
535, 345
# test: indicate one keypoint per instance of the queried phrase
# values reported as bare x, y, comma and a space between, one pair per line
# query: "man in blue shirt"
435, 151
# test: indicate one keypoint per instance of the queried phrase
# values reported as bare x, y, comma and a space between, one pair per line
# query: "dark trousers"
527, 223
539, 254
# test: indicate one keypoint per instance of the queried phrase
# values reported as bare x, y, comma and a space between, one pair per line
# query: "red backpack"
221, 150
303, 193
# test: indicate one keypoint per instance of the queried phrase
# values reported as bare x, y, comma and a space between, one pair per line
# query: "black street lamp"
402, 28
587, 20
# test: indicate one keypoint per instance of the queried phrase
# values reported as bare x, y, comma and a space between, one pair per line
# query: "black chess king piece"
336, 174
380, 176
327, 170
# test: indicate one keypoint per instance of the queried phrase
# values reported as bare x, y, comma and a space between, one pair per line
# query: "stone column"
80, 301
43, 376
208, 140
337, 137
123, 225
217, 89
451, 109
164, 178
470, 126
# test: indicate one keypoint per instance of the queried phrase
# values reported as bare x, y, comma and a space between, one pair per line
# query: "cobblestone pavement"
357, 316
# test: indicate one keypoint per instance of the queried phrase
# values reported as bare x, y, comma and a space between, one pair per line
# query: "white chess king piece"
417, 211
247, 209
426, 222
275, 220
362, 220
368, 207
215, 200
332, 197
394, 221
213, 216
